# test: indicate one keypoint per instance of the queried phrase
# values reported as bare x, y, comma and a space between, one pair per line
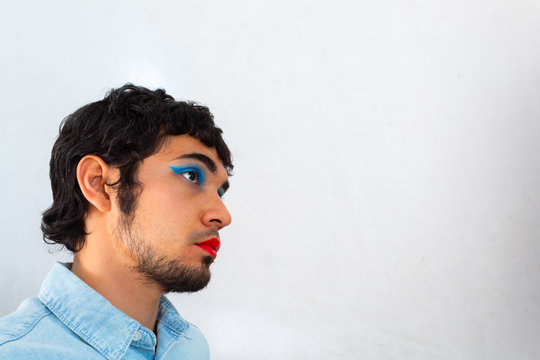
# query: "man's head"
155, 168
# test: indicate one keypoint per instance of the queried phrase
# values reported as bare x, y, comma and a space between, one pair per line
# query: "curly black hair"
124, 128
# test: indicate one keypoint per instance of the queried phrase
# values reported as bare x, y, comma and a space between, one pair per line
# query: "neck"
98, 265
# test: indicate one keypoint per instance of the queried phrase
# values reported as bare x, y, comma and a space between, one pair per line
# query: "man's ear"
92, 174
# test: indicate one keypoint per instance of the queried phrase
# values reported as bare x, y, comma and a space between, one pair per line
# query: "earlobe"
92, 173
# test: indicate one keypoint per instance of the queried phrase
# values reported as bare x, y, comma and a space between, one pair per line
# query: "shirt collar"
93, 318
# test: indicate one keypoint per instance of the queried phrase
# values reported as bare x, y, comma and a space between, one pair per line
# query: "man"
137, 180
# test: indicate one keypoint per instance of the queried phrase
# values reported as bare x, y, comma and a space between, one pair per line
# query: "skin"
172, 214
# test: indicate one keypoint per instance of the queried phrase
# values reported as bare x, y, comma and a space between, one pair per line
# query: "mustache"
197, 236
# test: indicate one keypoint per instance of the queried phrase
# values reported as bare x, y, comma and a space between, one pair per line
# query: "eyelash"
200, 176
187, 170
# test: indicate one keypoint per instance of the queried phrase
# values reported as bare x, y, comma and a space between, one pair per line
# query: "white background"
387, 190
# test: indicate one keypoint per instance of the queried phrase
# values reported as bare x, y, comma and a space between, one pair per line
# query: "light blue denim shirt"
70, 320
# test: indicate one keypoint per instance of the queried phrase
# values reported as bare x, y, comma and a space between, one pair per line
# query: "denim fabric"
69, 320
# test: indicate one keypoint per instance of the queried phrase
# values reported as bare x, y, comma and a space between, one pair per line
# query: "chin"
190, 284
176, 276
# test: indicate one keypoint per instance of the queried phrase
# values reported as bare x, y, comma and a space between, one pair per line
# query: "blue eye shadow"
182, 169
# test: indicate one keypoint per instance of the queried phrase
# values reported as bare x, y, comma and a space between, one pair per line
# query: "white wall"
387, 190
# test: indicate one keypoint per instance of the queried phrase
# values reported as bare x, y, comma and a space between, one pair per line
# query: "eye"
192, 176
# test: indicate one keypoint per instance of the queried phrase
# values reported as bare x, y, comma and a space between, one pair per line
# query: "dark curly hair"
124, 128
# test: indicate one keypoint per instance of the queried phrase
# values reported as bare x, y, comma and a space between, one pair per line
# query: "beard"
173, 275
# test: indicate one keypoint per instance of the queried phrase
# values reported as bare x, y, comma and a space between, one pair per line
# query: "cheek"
190, 251
168, 212
162, 198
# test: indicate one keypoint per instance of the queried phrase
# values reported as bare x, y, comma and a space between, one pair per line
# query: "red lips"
210, 246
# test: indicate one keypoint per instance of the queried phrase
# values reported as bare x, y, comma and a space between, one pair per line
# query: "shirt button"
137, 336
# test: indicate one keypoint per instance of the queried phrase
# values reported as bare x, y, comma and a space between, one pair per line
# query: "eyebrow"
209, 163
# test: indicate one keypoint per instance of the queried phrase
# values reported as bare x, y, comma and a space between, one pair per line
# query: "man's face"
178, 207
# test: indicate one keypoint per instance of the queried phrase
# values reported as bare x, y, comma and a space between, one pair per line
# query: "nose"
216, 214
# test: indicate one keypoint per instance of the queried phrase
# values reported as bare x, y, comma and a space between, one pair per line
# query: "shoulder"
191, 344
18, 324
169, 317
188, 342
193, 332
33, 332
15, 329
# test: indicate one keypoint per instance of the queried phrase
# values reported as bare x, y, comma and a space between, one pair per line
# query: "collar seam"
107, 353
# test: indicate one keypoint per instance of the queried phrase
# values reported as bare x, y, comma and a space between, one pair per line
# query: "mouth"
210, 246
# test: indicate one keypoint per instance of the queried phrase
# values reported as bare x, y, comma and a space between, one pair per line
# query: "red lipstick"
210, 246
